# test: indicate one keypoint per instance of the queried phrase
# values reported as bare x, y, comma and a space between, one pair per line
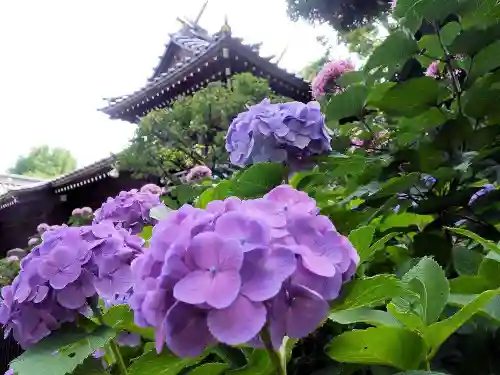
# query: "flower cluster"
152, 189
129, 210
59, 275
433, 70
198, 173
221, 273
485, 190
277, 132
325, 80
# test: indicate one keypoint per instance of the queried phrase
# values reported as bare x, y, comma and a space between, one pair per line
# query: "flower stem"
112, 344
118, 357
273, 355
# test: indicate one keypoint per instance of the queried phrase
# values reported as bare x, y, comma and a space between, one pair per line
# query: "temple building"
191, 59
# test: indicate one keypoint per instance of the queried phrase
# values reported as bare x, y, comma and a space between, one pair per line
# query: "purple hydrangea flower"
129, 210
198, 173
277, 132
10, 372
325, 80
485, 190
58, 276
433, 70
221, 274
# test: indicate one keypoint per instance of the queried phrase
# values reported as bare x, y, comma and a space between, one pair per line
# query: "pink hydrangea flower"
33, 241
433, 69
86, 211
197, 173
76, 212
393, 4
151, 188
42, 228
324, 82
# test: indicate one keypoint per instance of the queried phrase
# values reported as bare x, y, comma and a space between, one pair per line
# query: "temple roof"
192, 59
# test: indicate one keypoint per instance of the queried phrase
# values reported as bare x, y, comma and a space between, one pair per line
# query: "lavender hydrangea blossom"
485, 190
59, 275
198, 173
277, 133
220, 274
129, 210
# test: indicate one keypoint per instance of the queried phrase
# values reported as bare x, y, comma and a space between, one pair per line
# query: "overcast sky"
59, 58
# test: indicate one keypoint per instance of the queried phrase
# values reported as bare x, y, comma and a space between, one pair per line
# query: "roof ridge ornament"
225, 29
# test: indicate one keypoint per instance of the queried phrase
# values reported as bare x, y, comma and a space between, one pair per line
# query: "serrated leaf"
160, 364
389, 346
61, 352
361, 239
487, 244
403, 312
209, 369
433, 288
437, 333
258, 180
369, 292
364, 315
392, 53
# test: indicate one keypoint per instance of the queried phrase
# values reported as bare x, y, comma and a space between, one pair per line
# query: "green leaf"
433, 288
487, 244
184, 193
209, 369
361, 239
90, 366
377, 246
160, 364
410, 97
468, 284
219, 192
121, 317
465, 261
405, 219
364, 315
397, 185
61, 352
449, 32
146, 233
349, 103
258, 180
418, 372
389, 346
258, 364
403, 311
485, 61
490, 311
489, 269
437, 333
369, 292
431, 10
392, 53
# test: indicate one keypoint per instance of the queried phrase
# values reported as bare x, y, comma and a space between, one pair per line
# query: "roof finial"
226, 29
202, 10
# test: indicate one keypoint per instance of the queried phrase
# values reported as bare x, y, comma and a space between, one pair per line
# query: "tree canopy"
192, 130
44, 162
343, 15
